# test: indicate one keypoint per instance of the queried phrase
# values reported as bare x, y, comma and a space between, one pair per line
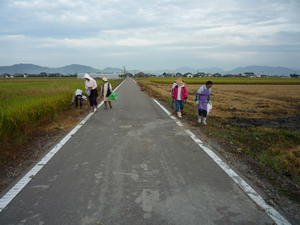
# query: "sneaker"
179, 114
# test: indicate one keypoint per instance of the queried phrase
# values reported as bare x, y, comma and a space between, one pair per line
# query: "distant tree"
294, 75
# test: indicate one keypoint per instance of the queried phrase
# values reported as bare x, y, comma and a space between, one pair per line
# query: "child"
202, 97
180, 95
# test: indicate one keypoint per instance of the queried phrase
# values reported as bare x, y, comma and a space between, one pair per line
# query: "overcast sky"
150, 34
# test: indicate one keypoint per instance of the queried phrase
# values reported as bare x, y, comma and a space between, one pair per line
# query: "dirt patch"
29, 154
291, 122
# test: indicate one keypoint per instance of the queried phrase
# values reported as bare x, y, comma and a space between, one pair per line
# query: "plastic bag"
209, 108
87, 92
113, 96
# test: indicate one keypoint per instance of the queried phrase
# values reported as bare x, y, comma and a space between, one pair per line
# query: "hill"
184, 70
264, 70
76, 68
32, 69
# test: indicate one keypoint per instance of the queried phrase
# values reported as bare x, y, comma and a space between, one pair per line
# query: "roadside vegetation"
27, 106
260, 123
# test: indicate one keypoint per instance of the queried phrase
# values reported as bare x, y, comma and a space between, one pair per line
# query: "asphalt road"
132, 164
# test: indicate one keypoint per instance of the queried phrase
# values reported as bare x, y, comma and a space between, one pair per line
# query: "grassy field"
237, 110
26, 104
226, 80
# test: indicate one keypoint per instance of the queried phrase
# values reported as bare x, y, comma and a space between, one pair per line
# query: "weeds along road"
132, 164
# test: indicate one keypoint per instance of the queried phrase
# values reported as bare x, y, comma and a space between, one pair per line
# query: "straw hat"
104, 79
179, 81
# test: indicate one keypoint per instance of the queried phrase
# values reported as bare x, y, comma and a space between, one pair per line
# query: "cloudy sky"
150, 34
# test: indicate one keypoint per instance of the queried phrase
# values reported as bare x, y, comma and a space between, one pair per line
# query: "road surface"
132, 164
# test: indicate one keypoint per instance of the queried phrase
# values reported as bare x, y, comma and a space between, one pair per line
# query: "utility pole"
124, 71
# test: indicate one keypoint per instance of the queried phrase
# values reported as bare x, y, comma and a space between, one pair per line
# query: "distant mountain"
110, 70
297, 70
184, 70
211, 70
32, 69
22, 68
76, 68
264, 70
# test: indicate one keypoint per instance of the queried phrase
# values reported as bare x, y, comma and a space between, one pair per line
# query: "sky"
150, 34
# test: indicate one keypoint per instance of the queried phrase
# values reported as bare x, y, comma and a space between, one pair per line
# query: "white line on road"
278, 219
9, 196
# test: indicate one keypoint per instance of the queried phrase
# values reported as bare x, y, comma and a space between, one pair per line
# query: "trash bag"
87, 92
209, 108
113, 96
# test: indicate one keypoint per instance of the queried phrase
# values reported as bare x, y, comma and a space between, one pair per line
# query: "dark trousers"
93, 100
202, 112
76, 102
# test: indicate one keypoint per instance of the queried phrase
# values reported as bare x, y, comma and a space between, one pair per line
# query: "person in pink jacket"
180, 95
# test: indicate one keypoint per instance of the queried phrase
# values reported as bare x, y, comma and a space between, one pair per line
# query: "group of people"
91, 90
178, 92
179, 96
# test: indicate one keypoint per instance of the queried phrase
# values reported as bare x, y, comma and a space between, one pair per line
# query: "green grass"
226, 80
25, 102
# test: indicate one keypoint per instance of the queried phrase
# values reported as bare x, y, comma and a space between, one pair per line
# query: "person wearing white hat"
91, 85
180, 95
106, 90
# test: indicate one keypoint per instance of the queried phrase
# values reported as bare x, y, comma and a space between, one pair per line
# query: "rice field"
25, 103
225, 80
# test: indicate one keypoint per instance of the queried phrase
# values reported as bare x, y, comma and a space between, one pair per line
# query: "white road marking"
278, 219
9, 196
